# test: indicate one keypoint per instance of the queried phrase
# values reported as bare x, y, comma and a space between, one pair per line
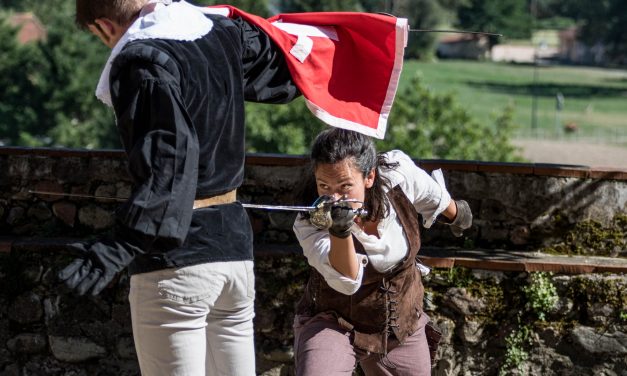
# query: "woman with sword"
363, 301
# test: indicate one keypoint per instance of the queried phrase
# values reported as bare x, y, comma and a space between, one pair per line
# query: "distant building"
462, 46
512, 53
543, 45
30, 28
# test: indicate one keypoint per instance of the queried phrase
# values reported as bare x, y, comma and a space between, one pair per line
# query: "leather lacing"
391, 317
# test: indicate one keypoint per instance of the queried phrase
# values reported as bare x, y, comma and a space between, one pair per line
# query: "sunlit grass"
595, 99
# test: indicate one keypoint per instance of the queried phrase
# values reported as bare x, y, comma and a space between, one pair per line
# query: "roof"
30, 28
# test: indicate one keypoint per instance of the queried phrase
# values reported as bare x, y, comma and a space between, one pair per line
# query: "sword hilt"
320, 217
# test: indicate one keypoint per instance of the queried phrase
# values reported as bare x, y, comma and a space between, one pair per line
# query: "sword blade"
250, 206
455, 32
79, 195
360, 212
280, 207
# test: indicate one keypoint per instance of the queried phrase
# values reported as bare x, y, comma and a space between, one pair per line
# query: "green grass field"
594, 99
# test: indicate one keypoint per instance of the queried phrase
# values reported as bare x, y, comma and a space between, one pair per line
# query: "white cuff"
340, 282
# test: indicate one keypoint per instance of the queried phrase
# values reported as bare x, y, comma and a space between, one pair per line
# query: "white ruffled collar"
159, 19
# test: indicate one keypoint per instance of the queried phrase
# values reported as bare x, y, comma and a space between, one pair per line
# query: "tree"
257, 7
19, 80
508, 17
10, 4
426, 125
421, 14
48, 98
46, 88
422, 124
615, 36
283, 129
600, 22
296, 6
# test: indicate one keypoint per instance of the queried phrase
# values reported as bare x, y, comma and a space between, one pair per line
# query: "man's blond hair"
120, 11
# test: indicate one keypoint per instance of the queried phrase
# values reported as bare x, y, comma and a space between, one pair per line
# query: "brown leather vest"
386, 303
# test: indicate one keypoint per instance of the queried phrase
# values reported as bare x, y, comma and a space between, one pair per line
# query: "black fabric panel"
180, 113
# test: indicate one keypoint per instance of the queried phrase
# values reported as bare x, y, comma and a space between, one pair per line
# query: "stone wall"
491, 320
515, 206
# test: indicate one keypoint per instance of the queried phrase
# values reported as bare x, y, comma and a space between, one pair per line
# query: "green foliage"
21, 77
593, 238
426, 125
555, 23
600, 21
508, 17
588, 291
420, 14
257, 7
422, 124
46, 99
284, 129
490, 292
516, 354
47, 94
459, 277
496, 305
295, 6
541, 294
10, 4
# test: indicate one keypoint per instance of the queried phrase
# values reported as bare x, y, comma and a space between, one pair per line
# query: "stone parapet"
488, 290
515, 205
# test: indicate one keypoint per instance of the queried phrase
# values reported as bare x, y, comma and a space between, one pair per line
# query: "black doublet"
180, 113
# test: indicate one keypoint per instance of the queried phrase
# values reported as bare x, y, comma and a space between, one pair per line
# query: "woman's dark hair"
334, 145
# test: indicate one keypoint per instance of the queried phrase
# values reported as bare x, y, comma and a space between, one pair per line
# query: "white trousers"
196, 320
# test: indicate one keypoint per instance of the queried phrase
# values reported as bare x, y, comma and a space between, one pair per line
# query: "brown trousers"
323, 348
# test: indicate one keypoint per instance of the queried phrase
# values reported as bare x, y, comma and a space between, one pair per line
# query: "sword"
455, 32
47, 193
446, 31
310, 209
280, 207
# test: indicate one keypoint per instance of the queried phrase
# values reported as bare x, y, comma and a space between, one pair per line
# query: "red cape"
347, 65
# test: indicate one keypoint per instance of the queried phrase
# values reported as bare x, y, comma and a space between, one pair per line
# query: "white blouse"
430, 198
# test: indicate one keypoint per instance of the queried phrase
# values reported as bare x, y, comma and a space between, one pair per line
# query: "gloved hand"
343, 217
463, 219
96, 265
321, 216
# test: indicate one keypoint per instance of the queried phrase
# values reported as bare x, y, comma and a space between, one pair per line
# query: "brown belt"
225, 198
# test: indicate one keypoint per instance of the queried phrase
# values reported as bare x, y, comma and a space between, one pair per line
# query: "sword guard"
320, 216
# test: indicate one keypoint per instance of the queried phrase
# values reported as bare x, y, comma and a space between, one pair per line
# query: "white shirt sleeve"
429, 196
316, 247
